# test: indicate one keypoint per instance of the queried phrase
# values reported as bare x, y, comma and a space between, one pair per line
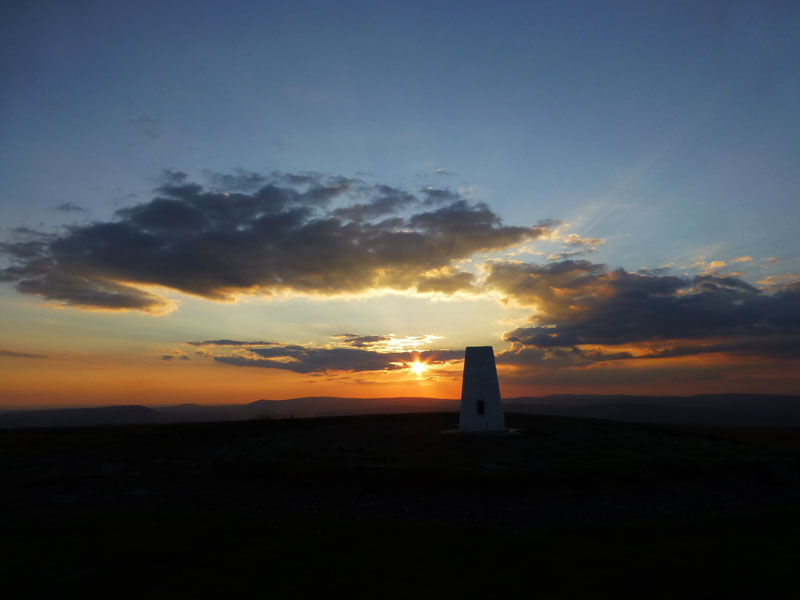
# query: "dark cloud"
576, 245
541, 285
306, 359
283, 236
84, 292
317, 189
448, 283
434, 195
147, 125
239, 181
359, 341
464, 228
550, 223
581, 305
565, 254
15, 354
171, 176
351, 352
232, 343
22, 251
69, 207
772, 346
387, 200
28, 233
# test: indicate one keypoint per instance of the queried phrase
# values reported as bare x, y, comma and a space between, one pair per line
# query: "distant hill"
313, 406
718, 409
322, 406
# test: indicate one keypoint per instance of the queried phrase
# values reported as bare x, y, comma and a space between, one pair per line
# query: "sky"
220, 202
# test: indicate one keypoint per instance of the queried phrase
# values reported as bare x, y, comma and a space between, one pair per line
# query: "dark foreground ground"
388, 506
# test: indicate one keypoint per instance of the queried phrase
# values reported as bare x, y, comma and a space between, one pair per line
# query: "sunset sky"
225, 201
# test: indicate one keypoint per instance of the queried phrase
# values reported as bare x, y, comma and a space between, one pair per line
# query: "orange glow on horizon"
157, 378
109, 380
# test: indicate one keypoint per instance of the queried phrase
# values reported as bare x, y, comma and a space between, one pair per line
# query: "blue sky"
668, 130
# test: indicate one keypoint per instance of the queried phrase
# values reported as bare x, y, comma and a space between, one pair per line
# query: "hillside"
720, 409
294, 507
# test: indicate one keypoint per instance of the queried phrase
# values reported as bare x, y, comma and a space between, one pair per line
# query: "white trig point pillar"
481, 409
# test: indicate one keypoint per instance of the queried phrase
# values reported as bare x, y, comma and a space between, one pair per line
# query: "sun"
418, 367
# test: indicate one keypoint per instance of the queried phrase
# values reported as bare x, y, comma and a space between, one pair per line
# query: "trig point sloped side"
481, 409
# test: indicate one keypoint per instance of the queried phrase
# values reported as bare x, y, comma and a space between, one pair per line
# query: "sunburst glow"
418, 367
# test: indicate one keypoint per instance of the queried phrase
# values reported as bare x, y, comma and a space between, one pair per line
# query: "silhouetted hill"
328, 406
322, 406
720, 409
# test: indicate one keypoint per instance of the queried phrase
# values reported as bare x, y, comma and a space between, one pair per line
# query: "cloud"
28, 249
564, 254
779, 282
541, 286
387, 200
777, 346
435, 196
575, 245
84, 292
587, 313
27, 233
447, 283
360, 341
231, 343
349, 352
318, 234
238, 181
147, 125
298, 232
709, 267
309, 359
588, 244
176, 356
15, 354
69, 207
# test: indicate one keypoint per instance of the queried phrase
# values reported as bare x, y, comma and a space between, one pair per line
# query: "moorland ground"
388, 505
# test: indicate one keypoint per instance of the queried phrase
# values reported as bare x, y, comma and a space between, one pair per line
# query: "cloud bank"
582, 314
324, 235
585, 312
247, 233
352, 353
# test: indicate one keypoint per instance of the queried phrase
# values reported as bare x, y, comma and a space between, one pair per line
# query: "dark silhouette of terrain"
719, 409
710, 409
388, 505
77, 417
